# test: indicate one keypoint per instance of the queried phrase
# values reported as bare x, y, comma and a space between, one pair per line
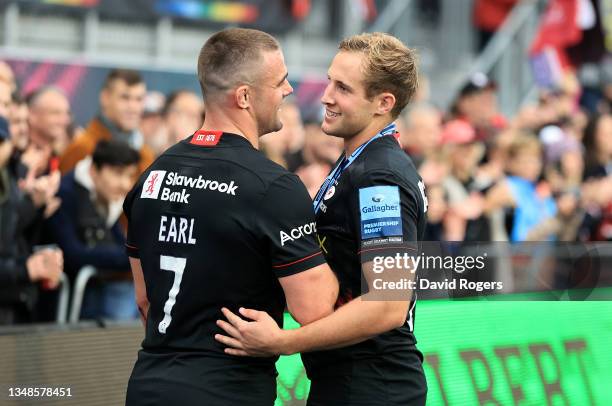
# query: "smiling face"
347, 109
123, 104
269, 92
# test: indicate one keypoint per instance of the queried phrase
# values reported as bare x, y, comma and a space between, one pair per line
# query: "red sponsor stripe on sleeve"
298, 261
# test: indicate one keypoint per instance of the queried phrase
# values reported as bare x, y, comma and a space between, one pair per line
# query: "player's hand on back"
256, 335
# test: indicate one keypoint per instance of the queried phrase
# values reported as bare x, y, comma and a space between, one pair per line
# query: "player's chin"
278, 125
329, 128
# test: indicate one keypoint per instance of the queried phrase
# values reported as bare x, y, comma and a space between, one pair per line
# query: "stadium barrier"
482, 351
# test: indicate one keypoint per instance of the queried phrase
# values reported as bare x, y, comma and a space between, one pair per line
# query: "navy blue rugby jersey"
215, 223
376, 208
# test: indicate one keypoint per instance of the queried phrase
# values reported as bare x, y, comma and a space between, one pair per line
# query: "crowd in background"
544, 174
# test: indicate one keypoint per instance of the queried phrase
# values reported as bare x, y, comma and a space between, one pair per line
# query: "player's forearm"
354, 322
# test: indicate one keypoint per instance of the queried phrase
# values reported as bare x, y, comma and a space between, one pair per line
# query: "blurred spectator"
598, 145
87, 227
605, 82
429, 11
20, 269
320, 147
489, 15
465, 220
565, 225
122, 105
313, 175
285, 146
5, 99
315, 160
182, 115
7, 76
564, 159
18, 119
422, 132
151, 123
423, 92
477, 104
597, 202
597, 189
49, 118
436, 211
530, 201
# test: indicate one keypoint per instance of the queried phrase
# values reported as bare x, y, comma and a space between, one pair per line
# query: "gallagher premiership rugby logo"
380, 212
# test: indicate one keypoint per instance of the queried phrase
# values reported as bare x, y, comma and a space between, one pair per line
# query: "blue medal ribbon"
333, 177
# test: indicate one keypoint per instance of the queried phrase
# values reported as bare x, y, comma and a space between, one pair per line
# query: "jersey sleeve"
286, 221
387, 215
131, 245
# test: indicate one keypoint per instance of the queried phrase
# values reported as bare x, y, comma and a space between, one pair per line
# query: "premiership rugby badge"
380, 212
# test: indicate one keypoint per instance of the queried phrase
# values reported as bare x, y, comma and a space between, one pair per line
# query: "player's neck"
354, 142
222, 122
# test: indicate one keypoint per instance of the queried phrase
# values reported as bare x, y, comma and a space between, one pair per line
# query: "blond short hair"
524, 143
388, 66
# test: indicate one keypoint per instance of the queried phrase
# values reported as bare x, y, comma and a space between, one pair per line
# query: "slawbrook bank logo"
176, 187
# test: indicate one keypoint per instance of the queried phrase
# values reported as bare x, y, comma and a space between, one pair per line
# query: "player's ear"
386, 102
242, 95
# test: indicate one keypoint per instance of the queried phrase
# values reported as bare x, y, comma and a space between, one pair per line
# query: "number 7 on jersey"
176, 265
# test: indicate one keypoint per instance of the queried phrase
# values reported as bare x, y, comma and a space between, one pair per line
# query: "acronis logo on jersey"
380, 212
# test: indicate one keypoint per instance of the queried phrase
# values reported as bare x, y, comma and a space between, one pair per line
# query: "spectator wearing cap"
477, 104
122, 105
465, 221
20, 269
563, 155
86, 227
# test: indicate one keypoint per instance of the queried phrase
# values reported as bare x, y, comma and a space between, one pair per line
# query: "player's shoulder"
249, 164
385, 159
